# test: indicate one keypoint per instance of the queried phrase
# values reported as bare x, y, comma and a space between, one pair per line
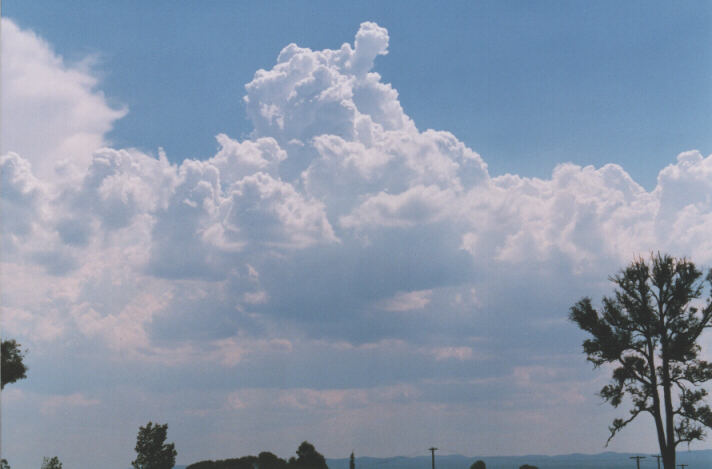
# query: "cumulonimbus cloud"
334, 164
336, 225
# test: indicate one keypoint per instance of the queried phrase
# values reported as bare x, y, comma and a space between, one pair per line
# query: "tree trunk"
669, 458
669, 414
656, 411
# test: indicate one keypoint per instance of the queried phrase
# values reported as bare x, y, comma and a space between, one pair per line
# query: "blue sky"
587, 83
365, 227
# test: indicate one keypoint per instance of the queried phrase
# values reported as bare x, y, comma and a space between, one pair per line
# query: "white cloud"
407, 301
236, 160
124, 330
268, 211
416, 206
58, 117
311, 93
283, 250
366, 174
22, 198
371, 41
366, 169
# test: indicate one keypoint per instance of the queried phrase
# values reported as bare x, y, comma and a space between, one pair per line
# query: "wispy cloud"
67, 403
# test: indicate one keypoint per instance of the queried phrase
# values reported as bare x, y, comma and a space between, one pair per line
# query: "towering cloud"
337, 230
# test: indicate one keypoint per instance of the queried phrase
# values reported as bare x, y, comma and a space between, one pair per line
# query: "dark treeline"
307, 458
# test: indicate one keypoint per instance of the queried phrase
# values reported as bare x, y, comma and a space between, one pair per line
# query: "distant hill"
696, 459
609, 460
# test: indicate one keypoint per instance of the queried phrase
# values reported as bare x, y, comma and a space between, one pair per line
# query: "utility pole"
432, 450
683, 466
637, 460
658, 457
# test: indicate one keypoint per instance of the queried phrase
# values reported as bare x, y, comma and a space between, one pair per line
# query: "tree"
479, 464
352, 461
4, 464
245, 462
12, 367
267, 460
527, 466
308, 457
151, 449
51, 463
649, 330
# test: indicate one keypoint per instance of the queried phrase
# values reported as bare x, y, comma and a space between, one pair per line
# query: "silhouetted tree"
151, 450
308, 457
209, 464
51, 463
479, 464
352, 461
267, 460
245, 462
12, 367
527, 466
4, 464
649, 331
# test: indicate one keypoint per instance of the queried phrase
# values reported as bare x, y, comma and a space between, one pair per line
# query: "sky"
360, 225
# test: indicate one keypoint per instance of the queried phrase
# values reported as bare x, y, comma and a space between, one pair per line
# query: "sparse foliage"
649, 332
51, 463
12, 367
151, 450
4, 464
